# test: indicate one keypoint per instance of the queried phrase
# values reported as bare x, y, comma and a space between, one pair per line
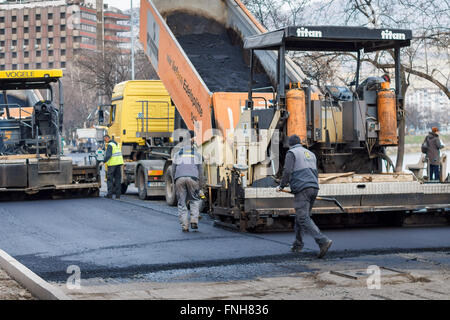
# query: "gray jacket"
187, 162
300, 170
434, 145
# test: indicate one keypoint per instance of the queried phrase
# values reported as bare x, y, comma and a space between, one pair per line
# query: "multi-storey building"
47, 34
431, 104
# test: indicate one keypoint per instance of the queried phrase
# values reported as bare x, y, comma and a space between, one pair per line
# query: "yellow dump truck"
141, 118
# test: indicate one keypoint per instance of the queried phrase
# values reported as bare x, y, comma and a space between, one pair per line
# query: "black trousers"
114, 180
434, 172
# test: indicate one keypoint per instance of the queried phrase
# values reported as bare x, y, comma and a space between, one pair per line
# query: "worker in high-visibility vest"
114, 161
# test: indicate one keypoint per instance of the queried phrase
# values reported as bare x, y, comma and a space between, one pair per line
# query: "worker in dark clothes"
300, 173
433, 153
188, 175
114, 160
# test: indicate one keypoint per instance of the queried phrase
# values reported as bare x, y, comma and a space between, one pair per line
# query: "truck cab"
141, 118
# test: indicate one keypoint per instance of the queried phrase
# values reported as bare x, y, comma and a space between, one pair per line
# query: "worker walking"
300, 172
188, 175
114, 160
433, 153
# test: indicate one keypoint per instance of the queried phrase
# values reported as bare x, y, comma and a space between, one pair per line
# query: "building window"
26, 54
89, 28
50, 53
2, 67
14, 18
14, 30
38, 65
62, 27
2, 55
2, 19
38, 41
50, 65
26, 30
63, 52
38, 16
26, 42
14, 55
2, 43
88, 16
63, 40
87, 40
50, 28
26, 66
14, 66
63, 64
2, 31
38, 53
14, 43
38, 29
50, 16
50, 40
25, 17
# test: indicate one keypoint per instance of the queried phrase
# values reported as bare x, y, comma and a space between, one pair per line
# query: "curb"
28, 279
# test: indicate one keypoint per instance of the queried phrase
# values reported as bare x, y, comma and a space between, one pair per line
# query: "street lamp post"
132, 42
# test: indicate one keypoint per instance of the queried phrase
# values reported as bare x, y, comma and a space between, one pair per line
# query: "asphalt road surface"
129, 237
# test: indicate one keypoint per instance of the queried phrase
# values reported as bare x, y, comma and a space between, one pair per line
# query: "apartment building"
47, 34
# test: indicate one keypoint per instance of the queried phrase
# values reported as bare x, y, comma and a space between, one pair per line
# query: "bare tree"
92, 74
102, 71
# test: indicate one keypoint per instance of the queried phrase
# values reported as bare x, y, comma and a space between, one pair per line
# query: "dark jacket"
300, 170
434, 145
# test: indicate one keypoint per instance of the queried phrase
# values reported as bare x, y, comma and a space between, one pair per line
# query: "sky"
122, 4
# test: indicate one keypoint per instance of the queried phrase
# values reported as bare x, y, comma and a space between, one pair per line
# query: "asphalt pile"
216, 52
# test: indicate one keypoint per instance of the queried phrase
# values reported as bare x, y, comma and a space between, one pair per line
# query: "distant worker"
188, 175
114, 160
300, 173
433, 153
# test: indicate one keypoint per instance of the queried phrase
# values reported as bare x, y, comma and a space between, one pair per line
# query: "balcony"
117, 39
116, 27
117, 16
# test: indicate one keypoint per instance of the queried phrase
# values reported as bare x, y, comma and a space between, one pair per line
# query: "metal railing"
144, 118
8, 107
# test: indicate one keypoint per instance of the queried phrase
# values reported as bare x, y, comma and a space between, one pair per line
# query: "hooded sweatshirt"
434, 145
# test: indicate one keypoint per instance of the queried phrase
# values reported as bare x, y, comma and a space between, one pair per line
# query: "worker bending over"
188, 175
300, 172
114, 160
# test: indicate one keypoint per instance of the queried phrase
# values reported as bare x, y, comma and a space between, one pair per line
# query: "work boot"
185, 229
324, 248
194, 226
296, 247
117, 197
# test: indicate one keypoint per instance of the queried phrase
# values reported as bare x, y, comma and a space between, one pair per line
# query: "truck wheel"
123, 188
141, 184
171, 197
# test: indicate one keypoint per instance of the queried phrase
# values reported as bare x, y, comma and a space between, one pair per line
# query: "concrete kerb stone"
29, 280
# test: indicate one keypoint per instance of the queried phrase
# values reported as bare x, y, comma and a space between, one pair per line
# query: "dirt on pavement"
11, 290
